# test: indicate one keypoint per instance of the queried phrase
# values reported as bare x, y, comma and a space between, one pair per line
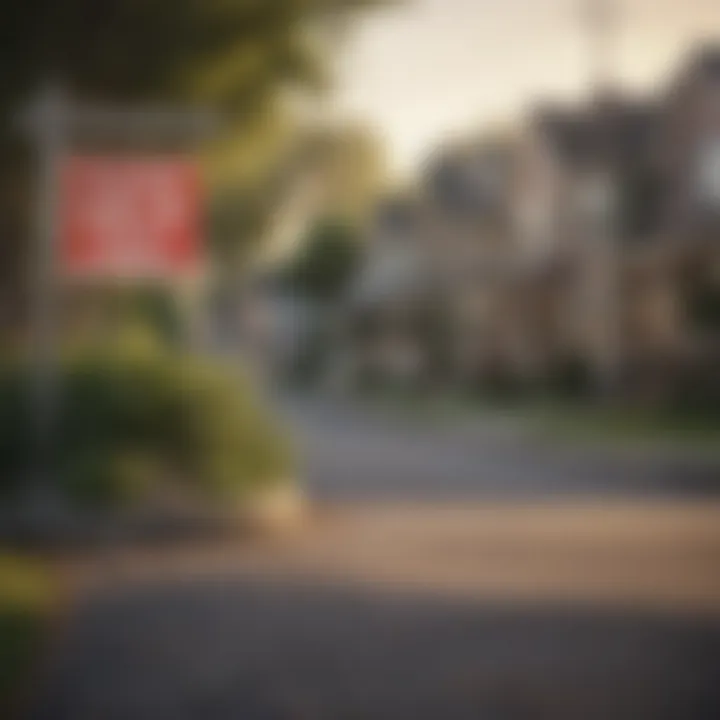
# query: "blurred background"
360, 359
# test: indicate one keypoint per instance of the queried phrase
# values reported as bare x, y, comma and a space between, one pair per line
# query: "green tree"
233, 52
233, 55
326, 263
349, 164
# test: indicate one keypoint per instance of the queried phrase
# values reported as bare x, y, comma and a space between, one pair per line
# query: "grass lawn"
580, 422
25, 603
627, 426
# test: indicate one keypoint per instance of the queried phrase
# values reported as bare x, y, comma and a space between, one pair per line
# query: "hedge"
26, 596
130, 424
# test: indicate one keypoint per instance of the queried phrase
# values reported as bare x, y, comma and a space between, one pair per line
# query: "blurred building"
388, 295
592, 240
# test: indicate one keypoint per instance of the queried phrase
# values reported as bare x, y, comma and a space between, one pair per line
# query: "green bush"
694, 391
326, 262
130, 423
158, 309
499, 384
570, 378
26, 595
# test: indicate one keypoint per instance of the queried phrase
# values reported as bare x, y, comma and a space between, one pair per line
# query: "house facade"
592, 239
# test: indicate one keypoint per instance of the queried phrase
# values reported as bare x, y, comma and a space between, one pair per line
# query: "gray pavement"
350, 453
437, 586
234, 649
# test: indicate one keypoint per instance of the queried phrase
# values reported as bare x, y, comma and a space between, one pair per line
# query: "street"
448, 572
351, 453
360, 360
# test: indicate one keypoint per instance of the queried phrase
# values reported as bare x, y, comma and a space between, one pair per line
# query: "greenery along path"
580, 423
26, 600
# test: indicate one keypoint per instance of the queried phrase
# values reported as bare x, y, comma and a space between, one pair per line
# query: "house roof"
611, 130
468, 179
706, 61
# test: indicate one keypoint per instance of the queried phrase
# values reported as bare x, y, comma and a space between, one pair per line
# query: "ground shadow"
272, 649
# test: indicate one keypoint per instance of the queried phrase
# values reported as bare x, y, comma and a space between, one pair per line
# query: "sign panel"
129, 218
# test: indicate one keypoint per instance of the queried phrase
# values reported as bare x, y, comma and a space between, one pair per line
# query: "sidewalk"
403, 612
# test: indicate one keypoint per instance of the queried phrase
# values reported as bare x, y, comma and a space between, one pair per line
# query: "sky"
425, 70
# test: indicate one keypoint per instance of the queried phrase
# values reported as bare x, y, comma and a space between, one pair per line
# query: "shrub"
26, 594
129, 424
326, 262
570, 378
158, 310
695, 390
498, 383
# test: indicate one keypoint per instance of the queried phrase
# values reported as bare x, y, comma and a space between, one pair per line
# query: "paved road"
361, 454
489, 605
234, 648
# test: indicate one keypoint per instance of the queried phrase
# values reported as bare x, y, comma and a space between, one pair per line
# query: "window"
708, 180
597, 202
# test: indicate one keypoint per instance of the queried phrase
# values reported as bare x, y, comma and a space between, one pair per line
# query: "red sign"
136, 218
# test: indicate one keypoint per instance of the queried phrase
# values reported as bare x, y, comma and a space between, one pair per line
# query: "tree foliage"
326, 262
232, 55
231, 51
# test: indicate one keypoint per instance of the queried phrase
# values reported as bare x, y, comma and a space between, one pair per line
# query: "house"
421, 301
624, 195
591, 239
385, 298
